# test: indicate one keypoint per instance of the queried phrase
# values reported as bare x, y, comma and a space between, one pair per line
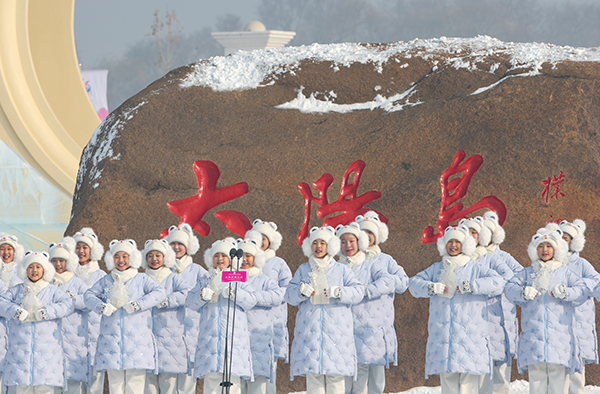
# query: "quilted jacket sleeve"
79, 299
589, 275
382, 282
577, 290
401, 279
285, 274
8, 308
418, 285
514, 288
154, 294
193, 300
179, 294
94, 297
270, 295
245, 296
62, 305
353, 291
292, 293
489, 282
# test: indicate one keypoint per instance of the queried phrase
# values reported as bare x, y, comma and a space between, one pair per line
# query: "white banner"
95, 82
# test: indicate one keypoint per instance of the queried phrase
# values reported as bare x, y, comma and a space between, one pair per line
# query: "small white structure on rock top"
254, 36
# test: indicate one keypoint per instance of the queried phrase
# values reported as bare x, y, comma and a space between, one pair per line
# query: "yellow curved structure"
45, 113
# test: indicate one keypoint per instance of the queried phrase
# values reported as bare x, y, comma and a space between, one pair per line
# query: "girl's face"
349, 244
35, 272
454, 247
179, 249
60, 265
7, 253
83, 252
121, 261
155, 259
319, 248
475, 235
567, 238
265, 242
221, 261
371, 238
247, 261
545, 251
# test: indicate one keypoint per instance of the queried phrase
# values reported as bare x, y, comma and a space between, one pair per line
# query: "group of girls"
473, 330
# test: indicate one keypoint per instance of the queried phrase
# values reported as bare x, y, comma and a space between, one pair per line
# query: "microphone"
232, 253
240, 253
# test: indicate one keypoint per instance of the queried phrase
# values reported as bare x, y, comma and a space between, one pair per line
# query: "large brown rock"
528, 127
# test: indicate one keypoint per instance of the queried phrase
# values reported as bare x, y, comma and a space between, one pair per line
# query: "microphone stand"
228, 359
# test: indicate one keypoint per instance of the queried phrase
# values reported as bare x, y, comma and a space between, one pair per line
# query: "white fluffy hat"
128, 246
459, 233
162, 246
89, 237
184, 234
13, 241
222, 246
371, 222
490, 220
327, 234
354, 229
477, 224
64, 249
250, 246
36, 257
553, 235
576, 230
269, 230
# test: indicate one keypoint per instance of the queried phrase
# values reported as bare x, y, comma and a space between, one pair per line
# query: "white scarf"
84, 271
6, 271
252, 271
117, 295
182, 264
541, 273
491, 248
354, 261
270, 253
30, 302
160, 274
373, 252
448, 276
318, 278
479, 252
61, 279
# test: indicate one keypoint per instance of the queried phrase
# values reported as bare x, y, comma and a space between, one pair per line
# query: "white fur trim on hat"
459, 233
269, 230
36, 257
354, 229
162, 246
576, 230
327, 234
222, 246
89, 237
64, 249
184, 234
371, 222
490, 219
128, 246
13, 241
477, 224
250, 246
552, 235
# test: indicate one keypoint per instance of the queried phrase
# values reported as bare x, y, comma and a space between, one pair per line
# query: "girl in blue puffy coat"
34, 309
324, 290
547, 292
372, 327
168, 318
126, 346
458, 289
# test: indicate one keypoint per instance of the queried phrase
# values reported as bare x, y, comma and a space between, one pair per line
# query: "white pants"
96, 383
459, 383
576, 382
212, 383
163, 383
129, 381
186, 384
73, 387
259, 386
500, 381
272, 385
370, 379
545, 378
31, 389
325, 384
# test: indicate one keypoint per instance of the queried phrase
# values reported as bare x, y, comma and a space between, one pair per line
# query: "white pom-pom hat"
371, 222
459, 233
222, 246
159, 245
36, 257
553, 235
269, 230
89, 237
64, 249
251, 246
576, 230
327, 234
184, 234
477, 224
354, 229
490, 220
128, 246
13, 241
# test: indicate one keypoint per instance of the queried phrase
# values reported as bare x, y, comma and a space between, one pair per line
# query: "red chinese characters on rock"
455, 189
348, 203
192, 209
554, 182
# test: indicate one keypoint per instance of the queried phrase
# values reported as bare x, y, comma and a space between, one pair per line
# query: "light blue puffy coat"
126, 340
277, 269
324, 334
13, 281
35, 354
74, 332
261, 322
585, 314
458, 327
210, 349
169, 327
93, 323
548, 323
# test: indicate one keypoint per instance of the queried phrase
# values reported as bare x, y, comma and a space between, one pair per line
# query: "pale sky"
108, 27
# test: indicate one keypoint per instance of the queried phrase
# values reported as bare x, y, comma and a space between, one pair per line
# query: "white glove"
529, 293
107, 309
333, 292
559, 291
41, 314
163, 305
206, 294
437, 288
465, 287
131, 307
306, 290
21, 314
228, 292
